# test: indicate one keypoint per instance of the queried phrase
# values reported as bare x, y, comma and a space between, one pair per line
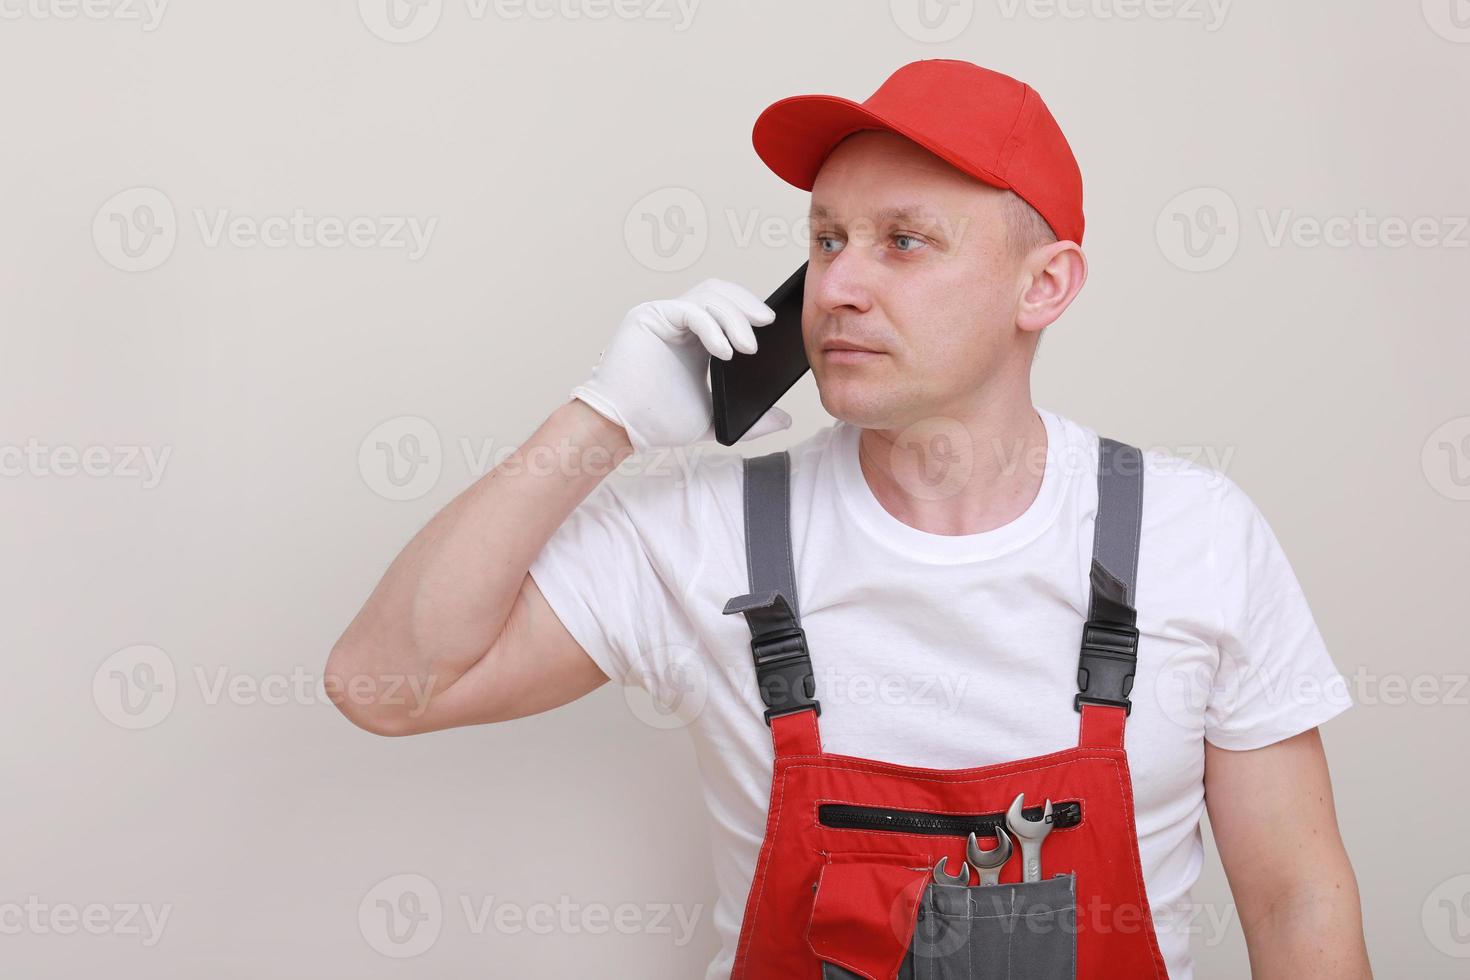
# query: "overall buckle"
783, 671
1105, 666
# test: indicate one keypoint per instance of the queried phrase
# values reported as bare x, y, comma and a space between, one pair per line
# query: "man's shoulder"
1189, 487
1182, 483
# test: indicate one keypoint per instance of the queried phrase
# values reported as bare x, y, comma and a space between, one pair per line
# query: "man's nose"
844, 282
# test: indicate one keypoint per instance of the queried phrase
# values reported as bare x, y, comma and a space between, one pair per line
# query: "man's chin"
866, 406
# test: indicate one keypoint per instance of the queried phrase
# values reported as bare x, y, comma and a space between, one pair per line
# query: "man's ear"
1051, 276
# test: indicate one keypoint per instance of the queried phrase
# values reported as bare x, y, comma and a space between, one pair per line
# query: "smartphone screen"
745, 387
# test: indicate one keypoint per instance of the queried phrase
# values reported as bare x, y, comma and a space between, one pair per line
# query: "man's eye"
917, 241
823, 240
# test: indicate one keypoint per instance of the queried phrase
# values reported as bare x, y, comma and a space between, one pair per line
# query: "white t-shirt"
947, 651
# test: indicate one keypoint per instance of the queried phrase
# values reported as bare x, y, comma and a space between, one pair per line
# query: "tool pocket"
864, 927
1017, 931
863, 913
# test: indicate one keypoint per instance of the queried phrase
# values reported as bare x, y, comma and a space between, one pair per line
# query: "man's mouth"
849, 352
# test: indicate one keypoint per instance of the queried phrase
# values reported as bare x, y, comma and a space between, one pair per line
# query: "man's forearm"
1316, 931
446, 597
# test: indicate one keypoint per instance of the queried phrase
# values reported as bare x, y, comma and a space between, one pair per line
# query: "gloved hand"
651, 378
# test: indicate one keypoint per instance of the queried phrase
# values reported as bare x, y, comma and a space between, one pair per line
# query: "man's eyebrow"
898, 212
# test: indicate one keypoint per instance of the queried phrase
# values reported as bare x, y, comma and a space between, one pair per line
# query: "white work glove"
652, 376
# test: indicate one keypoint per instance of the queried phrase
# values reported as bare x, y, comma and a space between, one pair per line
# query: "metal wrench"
1030, 833
944, 878
989, 863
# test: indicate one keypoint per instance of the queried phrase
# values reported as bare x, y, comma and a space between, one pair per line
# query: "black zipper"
847, 816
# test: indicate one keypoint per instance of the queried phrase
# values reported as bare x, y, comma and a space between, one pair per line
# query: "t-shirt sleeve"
599, 576
1275, 678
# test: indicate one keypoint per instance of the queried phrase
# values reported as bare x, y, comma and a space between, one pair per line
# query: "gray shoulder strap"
768, 527
1119, 519
1110, 635
783, 666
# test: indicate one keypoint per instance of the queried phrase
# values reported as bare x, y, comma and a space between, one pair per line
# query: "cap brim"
794, 136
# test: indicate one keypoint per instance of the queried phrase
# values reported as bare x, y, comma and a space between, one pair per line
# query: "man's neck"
958, 474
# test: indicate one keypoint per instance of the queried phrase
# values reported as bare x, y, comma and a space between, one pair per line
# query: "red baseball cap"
989, 125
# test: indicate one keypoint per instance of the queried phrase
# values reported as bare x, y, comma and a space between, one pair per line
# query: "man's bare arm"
1275, 826
457, 633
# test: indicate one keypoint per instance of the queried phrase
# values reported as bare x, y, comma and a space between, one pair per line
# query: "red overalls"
843, 886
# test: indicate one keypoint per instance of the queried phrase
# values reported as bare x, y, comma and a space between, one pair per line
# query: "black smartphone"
745, 387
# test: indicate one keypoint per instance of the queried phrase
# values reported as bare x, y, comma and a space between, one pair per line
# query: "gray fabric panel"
1119, 517
1014, 931
1019, 930
768, 527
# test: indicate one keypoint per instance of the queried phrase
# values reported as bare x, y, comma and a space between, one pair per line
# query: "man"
939, 532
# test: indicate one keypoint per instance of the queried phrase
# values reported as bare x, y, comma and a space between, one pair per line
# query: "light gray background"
1328, 380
